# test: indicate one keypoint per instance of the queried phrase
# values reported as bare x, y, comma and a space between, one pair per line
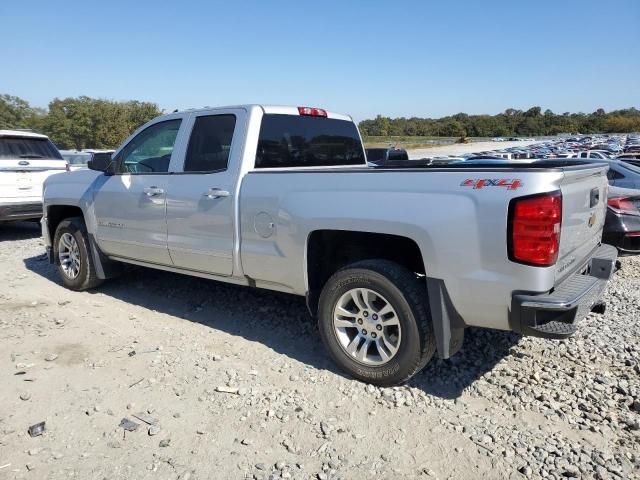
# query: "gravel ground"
461, 148
229, 382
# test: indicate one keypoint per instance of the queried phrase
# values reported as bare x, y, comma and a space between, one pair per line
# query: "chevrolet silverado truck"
395, 262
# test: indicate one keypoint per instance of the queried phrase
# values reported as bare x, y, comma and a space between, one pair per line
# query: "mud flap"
105, 268
448, 326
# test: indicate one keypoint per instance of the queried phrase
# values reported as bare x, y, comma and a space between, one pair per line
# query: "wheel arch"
55, 214
329, 250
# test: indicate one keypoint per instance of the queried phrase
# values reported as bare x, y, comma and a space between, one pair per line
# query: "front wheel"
73, 258
374, 320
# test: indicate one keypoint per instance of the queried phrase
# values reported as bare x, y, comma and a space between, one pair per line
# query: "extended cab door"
201, 196
130, 204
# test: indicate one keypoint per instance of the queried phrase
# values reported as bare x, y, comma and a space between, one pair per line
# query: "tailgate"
25, 181
584, 207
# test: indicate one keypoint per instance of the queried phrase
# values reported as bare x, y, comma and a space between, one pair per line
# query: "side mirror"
100, 163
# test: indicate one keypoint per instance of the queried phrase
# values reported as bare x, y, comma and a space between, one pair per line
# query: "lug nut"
378, 327
373, 335
359, 321
365, 313
364, 332
374, 316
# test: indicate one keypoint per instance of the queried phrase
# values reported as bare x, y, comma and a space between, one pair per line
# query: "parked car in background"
27, 159
381, 156
622, 223
597, 154
78, 159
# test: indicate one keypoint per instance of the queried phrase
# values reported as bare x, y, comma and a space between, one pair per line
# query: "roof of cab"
21, 133
269, 109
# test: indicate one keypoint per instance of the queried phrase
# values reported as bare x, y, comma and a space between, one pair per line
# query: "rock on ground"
230, 382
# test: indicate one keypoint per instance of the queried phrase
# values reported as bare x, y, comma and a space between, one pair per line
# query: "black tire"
87, 277
407, 295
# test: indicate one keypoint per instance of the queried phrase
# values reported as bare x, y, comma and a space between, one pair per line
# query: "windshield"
76, 158
12, 148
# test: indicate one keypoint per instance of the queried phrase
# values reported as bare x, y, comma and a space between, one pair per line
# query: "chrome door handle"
153, 191
216, 193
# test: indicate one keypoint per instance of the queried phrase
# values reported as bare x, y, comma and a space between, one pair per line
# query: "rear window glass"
300, 141
398, 155
27, 148
375, 154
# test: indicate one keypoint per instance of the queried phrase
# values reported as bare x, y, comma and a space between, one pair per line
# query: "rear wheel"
374, 320
72, 255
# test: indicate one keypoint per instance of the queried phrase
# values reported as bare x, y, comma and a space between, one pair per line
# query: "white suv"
26, 160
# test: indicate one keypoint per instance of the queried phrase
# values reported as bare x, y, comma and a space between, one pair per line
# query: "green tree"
17, 113
85, 122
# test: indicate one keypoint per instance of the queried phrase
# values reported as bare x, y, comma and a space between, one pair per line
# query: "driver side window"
150, 150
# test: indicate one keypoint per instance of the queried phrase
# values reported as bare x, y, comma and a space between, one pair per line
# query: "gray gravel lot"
229, 382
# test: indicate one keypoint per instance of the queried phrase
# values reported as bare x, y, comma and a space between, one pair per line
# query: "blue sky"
396, 58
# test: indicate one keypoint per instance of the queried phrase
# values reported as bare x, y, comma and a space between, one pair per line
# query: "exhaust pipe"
599, 308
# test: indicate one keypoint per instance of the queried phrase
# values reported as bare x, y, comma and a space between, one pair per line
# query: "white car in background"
594, 154
26, 160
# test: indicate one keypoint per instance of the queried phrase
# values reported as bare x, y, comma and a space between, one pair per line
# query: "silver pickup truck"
394, 262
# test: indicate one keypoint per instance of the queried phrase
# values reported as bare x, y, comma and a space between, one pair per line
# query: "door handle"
153, 191
216, 193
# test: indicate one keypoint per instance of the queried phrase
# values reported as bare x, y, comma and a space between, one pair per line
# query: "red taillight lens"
535, 229
623, 205
312, 112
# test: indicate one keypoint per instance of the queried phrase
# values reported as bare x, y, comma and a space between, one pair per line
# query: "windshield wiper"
31, 155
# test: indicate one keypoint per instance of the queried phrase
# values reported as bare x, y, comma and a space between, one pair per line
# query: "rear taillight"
312, 112
623, 205
534, 229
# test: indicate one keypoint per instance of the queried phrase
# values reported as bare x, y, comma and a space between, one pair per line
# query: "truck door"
130, 204
201, 197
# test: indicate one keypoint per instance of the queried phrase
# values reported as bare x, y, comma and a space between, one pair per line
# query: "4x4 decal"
510, 184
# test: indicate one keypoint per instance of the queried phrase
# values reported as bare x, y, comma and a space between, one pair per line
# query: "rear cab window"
398, 155
210, 143
25, 148
306, 141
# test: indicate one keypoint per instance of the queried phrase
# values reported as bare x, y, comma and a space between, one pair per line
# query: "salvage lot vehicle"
395, 262
380, 156
26, 160
621, 174
622, 225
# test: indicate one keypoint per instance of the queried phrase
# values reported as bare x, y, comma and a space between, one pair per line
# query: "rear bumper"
555, 314
20, 211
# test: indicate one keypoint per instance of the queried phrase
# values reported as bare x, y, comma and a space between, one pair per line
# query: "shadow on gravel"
481, 351
277, 320
281, 322
19, 231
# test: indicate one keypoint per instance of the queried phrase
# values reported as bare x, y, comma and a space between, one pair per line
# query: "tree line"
80, 122
85, 122
529, 123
